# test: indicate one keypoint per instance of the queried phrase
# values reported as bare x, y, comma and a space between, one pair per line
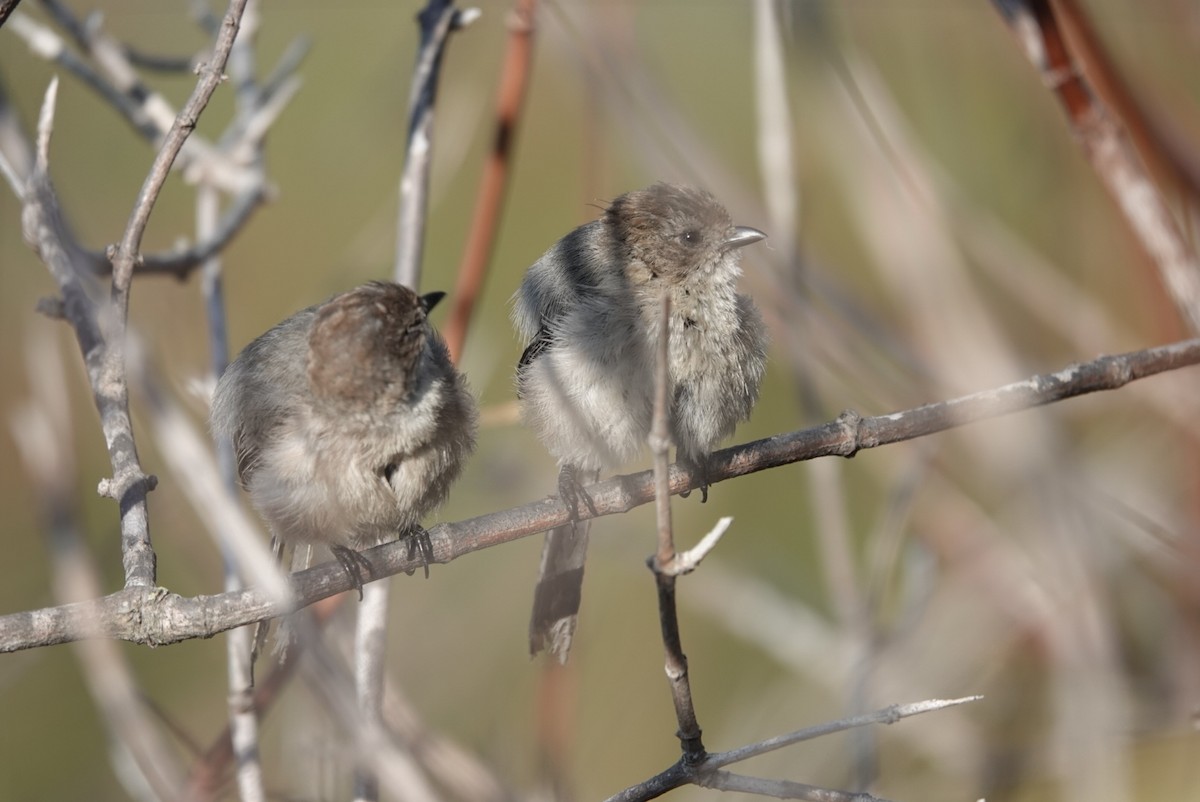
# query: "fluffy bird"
348, 421
589, 311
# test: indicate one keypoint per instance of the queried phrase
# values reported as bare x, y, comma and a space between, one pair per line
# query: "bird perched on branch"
349, 422
589, 311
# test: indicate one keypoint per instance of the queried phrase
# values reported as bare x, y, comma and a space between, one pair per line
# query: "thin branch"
209, 773
886, 715
706, 772
514, 80
148, 112
688, 561
1106, 144
150, 616
780, 789
128, 483
46, 232
181, 262
370, 647
6, 8
42, 432
437, 20
48, 45
663, 562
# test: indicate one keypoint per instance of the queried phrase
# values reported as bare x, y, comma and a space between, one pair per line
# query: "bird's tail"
558, 591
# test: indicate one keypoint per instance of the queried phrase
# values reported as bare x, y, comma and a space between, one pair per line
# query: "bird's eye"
690, 238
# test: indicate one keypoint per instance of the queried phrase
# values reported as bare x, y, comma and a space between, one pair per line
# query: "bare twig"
687, 561
6, 8
46, 232
514, 80
705, 773
42, 431
163, 618
438, 19
370, 646
128, 484
208, 773
243, 721
1106, 144
663, 562
148, 112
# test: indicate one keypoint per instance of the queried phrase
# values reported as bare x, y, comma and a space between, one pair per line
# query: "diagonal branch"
152, 616
707, 774
1105, 140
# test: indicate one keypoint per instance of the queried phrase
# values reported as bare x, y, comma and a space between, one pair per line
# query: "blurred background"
935, 230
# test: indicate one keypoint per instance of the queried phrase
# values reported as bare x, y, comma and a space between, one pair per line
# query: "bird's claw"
419, 543
571, 492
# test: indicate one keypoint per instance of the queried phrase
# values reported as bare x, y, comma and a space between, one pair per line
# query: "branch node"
53, 308
851, 425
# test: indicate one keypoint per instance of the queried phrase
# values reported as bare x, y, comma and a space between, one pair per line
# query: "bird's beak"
430, 299
743, 235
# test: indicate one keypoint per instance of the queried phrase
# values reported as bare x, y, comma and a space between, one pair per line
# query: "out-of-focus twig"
438, 19
6, 8
1105, 142
208, 773
703, 774
46, 232
42, 430
514, 80
167, 618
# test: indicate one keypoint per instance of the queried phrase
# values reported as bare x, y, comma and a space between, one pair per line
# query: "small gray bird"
589, 311
348, 421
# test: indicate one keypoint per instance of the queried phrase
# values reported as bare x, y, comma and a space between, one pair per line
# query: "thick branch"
153, 616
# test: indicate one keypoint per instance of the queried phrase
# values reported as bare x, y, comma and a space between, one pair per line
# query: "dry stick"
151, 616
243, 718
210, 773
45, 231
6, 8
691, 767
514, 80
663, 561
237, 647
42, 432
437, 20
129, 485
1165, 153
1107, 148
707, 775
148, 112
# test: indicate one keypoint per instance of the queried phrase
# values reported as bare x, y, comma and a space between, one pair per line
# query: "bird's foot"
419, 544
571, 492
700, 466
355, 565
